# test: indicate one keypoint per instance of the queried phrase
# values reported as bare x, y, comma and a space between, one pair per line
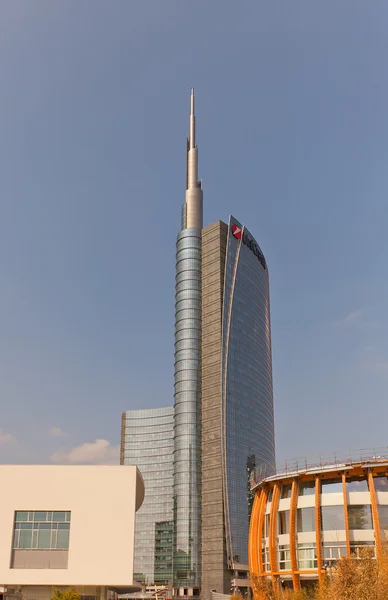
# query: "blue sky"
293, 139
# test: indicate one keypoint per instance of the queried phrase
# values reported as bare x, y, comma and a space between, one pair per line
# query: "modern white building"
68, 526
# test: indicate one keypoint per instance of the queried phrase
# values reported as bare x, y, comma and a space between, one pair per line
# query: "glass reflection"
357, 484
283, 522
149, 444
307, 488
332, 518
247, 385
331, 486
360, 517
305, 519
381, 484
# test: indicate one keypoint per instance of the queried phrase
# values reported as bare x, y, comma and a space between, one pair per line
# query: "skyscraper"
187, 411
147, 441
223, 424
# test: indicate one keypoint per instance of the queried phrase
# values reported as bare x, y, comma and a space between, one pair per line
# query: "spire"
192, 150
192, 121
193, 211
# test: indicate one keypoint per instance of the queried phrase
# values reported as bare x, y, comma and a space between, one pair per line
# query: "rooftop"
362, 458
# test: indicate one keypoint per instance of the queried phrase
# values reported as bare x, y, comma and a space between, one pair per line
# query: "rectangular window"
381, 484
383, 520
284, 558
355, 548
307, 557
41, 530
25, 540
333, 518
331, 486
357, 484
331, 552
266, 526
286, 491
305, 519
44, 538
307, 488
40, 516
284, 521
360, 517
21, 516
59, 516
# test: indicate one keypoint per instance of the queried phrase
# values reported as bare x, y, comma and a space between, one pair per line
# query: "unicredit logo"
250, 242
237, 231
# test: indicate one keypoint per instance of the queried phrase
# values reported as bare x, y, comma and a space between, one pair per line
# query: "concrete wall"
102, 501
214, 567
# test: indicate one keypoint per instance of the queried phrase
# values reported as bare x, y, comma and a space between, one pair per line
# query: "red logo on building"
237, 231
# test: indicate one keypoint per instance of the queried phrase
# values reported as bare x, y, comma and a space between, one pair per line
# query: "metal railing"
362, 457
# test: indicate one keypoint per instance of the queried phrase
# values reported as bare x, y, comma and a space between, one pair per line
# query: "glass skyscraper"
147, 442
247, 402
187, 405
222, 423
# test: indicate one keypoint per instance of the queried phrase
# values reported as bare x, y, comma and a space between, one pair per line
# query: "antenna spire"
192, 121
193, 212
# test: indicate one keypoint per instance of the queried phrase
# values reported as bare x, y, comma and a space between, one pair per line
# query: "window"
286, 491
41, 539
266, 526
332, 518
355, 548
284, 521
305, 519
360, 517
356, 484
331, 486
332, 552
307, 488
383, 519
284, 558
381, 484
307, 557
266, 560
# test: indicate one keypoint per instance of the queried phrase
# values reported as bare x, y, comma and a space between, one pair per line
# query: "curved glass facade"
303, 522
247, 394
187, 473
147, 442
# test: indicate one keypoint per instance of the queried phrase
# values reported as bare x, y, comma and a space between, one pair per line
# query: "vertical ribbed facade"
147, 442
187, 408
187, 396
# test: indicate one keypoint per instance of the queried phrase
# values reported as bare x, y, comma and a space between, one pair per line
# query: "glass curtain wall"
187, 440
248, 417
148, 443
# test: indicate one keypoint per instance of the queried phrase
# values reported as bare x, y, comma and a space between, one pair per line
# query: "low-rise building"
68, 526
308, 516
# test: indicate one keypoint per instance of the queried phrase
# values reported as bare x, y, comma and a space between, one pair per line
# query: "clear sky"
292, 129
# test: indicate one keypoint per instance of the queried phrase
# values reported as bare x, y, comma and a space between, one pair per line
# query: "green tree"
69, 594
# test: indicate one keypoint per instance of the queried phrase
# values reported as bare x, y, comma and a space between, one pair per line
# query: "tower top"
193, 210
192, 121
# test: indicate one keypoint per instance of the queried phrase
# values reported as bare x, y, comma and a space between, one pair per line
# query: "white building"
68, 526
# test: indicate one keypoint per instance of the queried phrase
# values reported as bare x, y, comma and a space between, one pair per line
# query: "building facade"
304, 520
68, 526
237, 397
223, 400
187, 379
147, 441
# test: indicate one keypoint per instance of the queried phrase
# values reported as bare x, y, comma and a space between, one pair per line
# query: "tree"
361, 577
69, 594
358, 577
